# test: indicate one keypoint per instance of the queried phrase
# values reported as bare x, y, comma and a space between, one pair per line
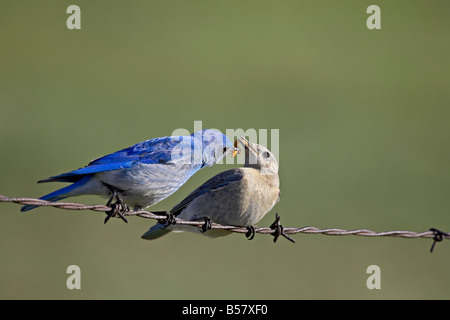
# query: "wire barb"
276, 229
438, 237
279, 229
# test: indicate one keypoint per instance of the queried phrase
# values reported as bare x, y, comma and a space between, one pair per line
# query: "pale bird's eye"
266, 154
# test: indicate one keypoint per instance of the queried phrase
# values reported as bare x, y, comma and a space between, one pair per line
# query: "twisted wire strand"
273, 230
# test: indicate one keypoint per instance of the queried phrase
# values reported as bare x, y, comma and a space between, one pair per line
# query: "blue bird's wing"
217, 182
165, 150
158, 150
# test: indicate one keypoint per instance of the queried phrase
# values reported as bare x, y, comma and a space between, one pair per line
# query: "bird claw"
207, 225
250, 234
117, 209
279, 230
169, 220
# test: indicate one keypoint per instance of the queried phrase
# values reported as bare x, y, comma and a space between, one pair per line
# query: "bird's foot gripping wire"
117, 208
250, 234
168, 220
279, 230
207, 225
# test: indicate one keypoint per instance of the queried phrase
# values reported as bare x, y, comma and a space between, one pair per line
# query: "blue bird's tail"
58, 194
155, 232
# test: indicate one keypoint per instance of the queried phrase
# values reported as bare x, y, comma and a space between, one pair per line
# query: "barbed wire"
276, 229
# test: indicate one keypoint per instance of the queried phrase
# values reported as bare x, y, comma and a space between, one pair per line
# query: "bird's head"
258, 157
215, 146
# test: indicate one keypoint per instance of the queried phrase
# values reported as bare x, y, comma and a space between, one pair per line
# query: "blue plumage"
145, 173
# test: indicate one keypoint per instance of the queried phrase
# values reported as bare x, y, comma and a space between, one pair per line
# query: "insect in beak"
236, 149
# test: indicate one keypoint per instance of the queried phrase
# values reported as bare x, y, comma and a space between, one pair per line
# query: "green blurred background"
364, 126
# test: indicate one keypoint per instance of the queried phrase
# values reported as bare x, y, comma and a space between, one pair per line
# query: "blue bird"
237, 197
145, 173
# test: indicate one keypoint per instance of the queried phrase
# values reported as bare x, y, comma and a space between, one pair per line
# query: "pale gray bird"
238, 197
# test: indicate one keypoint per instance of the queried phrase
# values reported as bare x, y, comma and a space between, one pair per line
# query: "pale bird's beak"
247, 145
